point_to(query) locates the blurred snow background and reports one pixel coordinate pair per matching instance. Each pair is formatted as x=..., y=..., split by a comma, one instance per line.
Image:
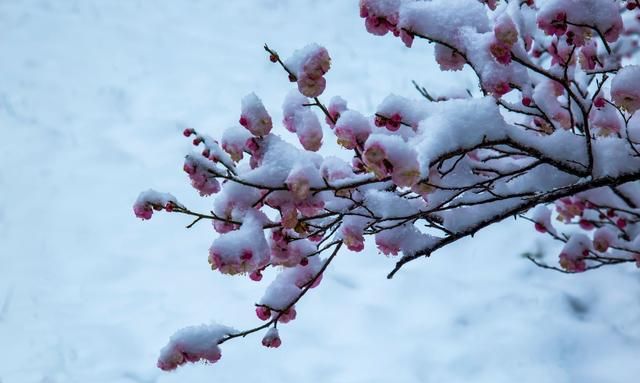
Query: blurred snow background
x=93, y=97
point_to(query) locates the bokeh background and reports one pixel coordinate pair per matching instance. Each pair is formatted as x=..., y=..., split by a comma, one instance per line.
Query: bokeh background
x=94, y=95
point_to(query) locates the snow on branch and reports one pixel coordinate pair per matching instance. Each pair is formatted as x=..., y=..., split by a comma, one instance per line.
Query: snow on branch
x=551, y=136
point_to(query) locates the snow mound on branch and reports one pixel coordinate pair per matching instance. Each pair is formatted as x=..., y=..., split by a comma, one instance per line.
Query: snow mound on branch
x=442, y=20
x=459, y=124
x=192, y=344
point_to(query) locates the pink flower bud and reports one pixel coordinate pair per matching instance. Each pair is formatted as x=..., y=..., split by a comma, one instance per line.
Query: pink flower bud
x=272, y=339
x=586, y=224
x=256, y=276
x=288, y=316
x=394, y=122
x=598, y=102
x=143, y=211
x=263, y=313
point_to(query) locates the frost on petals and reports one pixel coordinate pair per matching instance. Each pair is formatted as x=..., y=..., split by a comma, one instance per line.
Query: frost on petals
x=193, y=344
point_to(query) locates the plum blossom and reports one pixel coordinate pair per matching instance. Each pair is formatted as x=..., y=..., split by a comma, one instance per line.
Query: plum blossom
x=272, y=338
x=625, y=92
x=192, y=344
x=309, y=65
x=255, y=117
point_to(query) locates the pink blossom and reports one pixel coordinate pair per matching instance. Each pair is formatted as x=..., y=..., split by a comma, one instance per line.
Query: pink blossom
x=287, y=316
x=505, y=30
x=606, y=119
x=387, y=246
x=263, y=313
x=255, y=117
x=240, y=251
x=500, y=88
x=490, y=3
x=407, y=38
x=574, y=252
x=394, y=122
x=308, y=129
x=603, y=238
x=289, y=216
x=255, y=276
x=271, y=338
x=201, y=180
x=380, y=17
x=541, y=216
x=572, y=263
x=311, y=87
x=599, y=102
x=569, y=207
x=352, y=130
x=625, y=88
x=553, y=23
x=298, y=183
x=448, y=59
x=223, y=226
x=192, y=344
x=353, y=238
x=501, y=52
x=143, y=211
x=337, y=105
x=309, y=66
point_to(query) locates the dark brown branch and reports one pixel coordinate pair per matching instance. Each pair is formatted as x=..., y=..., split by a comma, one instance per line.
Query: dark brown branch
x=274, y=320
x=520, y=208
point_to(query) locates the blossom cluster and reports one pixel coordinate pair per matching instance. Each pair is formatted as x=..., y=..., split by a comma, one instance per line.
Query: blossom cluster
x=552, y=128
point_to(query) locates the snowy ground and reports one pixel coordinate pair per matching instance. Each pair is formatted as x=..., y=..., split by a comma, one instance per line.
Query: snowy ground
x=93, y=96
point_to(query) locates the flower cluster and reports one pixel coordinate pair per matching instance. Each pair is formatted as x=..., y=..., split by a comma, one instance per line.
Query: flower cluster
x=552, y=128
